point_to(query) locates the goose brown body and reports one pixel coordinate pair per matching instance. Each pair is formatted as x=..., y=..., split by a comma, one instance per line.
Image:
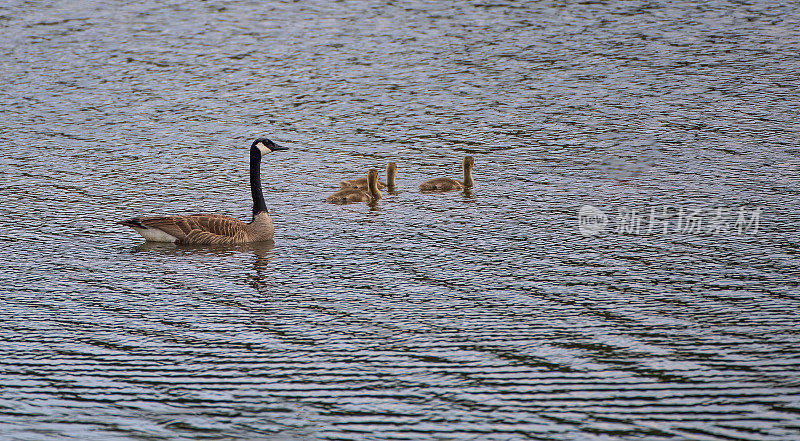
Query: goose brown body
x=441, y=184
x=361, y=183
x=447, y=184
x=204, y=229
x=352, y=195
x=358, y=184
x=215, y=229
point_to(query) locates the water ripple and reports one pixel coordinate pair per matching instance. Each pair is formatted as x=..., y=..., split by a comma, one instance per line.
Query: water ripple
x=482, y=315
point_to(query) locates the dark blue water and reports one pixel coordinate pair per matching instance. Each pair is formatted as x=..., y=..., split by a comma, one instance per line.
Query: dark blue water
x=493, y=314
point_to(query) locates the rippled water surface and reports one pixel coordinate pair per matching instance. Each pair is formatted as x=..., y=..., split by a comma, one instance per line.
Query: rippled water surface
x=478, y=315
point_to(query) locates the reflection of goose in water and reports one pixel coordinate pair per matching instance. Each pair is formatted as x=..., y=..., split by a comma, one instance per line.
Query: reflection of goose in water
x=351, y=195
x=447, y=184
x=263, y=252
x=361, y=183
x=215, y=229
x=170, y=249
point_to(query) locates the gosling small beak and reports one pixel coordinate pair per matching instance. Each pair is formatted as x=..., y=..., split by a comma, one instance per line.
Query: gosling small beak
x=277, y=147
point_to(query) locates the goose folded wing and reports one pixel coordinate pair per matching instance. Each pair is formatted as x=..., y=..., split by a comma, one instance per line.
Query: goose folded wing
x=176, y=226
x=217, y=224
x=205, y=227
x=207, y=238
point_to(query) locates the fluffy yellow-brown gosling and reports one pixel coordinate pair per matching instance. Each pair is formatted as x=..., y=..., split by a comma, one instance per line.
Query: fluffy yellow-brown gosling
x=361, y=183
x=447, y=184
x=216, y=229
x=351, y=195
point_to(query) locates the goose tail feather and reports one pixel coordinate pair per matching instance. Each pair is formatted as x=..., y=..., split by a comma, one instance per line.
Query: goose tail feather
x=133, y=223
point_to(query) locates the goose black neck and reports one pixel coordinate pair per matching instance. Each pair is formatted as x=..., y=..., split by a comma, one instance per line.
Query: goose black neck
x=259, y=205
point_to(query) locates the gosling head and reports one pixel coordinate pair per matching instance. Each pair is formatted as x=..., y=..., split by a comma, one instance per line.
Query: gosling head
x=391, y=173
x=372, y=176
x=372, y=185
x=265, y=146
x=469, y=162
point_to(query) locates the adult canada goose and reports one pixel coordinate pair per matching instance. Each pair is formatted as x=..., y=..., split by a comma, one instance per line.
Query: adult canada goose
x=361, y=183
x=215, y=229
x=350, y=195
x=447, y=184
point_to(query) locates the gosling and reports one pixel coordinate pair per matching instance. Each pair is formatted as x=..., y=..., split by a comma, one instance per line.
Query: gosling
x=361, y=183
x=447, y=184
x=352, y=195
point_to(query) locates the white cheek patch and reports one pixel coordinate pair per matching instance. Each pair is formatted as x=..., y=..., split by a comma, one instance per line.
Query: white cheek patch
x=264, y=149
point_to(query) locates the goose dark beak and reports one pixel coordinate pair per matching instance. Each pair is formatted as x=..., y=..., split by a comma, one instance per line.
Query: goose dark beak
x=277, y=147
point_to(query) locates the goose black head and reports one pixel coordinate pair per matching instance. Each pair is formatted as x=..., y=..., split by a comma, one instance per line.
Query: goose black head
x=265, y=146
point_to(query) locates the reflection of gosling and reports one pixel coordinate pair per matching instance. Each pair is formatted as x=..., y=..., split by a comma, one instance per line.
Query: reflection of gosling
x=351, y=195
x=361, y=183
x=447, y=184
